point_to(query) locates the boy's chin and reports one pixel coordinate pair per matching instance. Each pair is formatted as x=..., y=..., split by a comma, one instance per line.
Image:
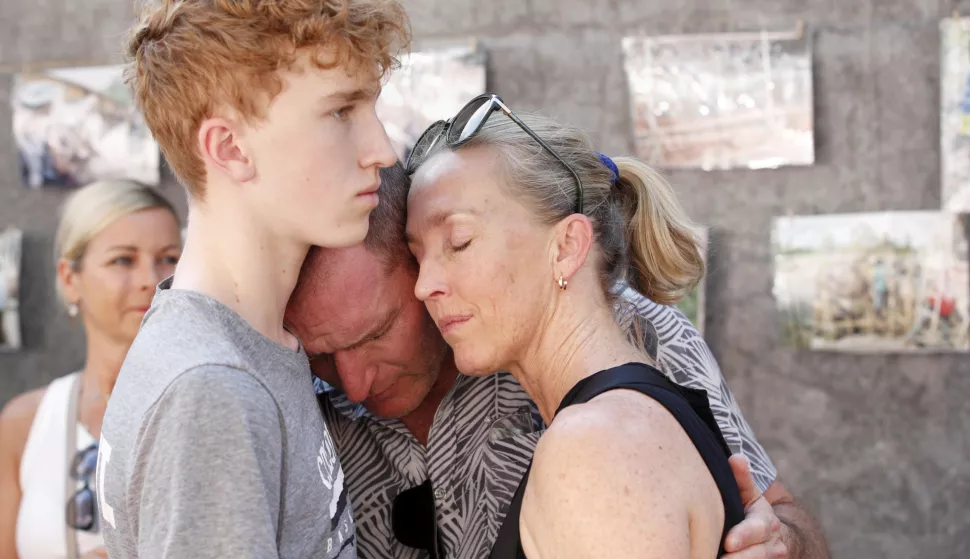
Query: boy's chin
x=344, y=237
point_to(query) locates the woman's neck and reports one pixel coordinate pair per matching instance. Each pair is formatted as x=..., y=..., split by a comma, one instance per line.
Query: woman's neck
x=571, y=346
x=102, y=365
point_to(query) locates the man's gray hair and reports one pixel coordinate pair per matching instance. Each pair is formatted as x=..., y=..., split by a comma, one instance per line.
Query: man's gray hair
x=385, y=237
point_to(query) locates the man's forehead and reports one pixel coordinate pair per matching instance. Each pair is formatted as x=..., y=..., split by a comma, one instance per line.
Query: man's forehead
x=352, y=293
x=343, y=318
x=347, y=328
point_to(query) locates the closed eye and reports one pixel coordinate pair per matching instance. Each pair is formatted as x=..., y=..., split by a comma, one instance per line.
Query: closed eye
x=369, y=339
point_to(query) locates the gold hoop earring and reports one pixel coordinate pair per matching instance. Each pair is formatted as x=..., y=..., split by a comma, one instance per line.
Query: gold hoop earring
x=563, y=282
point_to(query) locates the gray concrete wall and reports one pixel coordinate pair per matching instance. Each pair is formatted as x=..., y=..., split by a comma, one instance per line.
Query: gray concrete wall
x=876, y=446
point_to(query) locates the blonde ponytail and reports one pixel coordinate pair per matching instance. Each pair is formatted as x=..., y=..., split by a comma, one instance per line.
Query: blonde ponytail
x=665, y=257
x=642, y=233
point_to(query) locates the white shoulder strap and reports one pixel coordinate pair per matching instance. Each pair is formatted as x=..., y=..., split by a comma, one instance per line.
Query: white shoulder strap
x=69, y=485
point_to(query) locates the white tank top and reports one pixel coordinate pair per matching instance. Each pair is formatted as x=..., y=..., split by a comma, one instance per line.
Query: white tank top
x=41, y=532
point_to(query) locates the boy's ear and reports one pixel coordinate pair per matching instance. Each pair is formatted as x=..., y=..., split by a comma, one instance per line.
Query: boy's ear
x=222, y=148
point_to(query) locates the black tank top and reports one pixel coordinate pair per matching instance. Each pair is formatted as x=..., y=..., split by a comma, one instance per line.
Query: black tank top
x=691, y=409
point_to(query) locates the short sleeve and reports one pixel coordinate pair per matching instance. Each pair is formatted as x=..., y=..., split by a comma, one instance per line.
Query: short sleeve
x=206, y=475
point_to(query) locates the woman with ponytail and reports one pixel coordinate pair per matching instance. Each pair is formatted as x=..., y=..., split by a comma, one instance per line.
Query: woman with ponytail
x=524, y=234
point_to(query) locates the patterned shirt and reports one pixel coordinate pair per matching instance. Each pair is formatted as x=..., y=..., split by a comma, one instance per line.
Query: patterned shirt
x=483, y=437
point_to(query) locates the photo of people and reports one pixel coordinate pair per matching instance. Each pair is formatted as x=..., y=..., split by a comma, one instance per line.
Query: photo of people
x=955, y=113
x=878, y=282
x=11, y=241
x=431, y=85
x=73, y=126
x=721, y=101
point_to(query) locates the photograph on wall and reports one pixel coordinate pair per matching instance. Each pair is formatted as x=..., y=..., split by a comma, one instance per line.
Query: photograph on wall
x=721, y=101
x=11, y=243
x=955, y=114
x=693, y=304
x=430, y=85
x=888, y=282
x=74, y=126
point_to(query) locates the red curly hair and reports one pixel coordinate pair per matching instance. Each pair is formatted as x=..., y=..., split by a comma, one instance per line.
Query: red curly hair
x=186, y=58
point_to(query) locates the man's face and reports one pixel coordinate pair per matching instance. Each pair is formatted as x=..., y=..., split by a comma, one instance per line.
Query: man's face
x=365, y=331
x=316, y=155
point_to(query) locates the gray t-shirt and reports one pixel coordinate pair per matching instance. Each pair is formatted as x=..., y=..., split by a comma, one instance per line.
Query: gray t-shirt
x=213, y=444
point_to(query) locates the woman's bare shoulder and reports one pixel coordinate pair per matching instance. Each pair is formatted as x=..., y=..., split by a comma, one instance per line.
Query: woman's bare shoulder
x=619, y=462
x=16, y=418
x=618, y=439
x=618, y=422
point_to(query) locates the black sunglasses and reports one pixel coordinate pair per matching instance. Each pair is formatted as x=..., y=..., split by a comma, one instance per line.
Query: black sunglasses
x=468, y=122
x=82, y=508
x=413, y=519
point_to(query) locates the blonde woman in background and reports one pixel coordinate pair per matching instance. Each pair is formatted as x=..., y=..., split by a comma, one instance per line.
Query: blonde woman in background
x=115, y=242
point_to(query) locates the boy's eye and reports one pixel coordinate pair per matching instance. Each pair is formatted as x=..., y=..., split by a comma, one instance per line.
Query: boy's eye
x=343, y=112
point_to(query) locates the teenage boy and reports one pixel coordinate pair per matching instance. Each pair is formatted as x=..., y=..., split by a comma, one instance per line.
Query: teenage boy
x=213, y=444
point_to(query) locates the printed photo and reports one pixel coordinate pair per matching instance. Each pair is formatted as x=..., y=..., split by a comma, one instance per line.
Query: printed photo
x=955, y=114
x=431, y=85
x=74, y=126
x=11, y=242
x=880, y=282
x=721, y=101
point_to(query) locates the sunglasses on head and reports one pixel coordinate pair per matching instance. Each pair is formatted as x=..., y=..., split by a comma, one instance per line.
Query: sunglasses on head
x=413, y=519
x=82, y=507
x=468, y=122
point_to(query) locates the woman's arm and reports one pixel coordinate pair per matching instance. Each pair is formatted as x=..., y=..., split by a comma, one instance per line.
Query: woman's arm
x=618, y=477
x=15, y=421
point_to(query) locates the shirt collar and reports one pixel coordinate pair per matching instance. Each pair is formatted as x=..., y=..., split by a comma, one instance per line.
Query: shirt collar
x=355, y=412
x=339, y=401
